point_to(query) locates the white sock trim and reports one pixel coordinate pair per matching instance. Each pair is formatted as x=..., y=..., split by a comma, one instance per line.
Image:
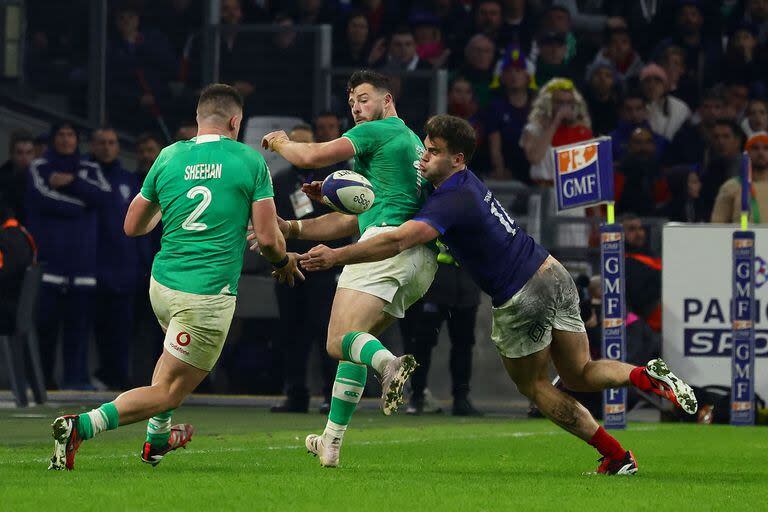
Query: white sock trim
x=334, y=430
x=98, y=421
x=380, y=359
x=357, y=346
x=347, y=392
x=157, y=425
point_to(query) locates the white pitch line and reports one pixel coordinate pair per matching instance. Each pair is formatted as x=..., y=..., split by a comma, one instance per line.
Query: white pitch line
x=385, y=442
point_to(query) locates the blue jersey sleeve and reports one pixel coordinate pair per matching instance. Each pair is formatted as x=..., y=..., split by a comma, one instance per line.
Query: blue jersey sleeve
x=442, y=210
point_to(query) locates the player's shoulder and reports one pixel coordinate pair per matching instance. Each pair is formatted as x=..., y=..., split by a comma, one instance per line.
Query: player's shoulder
x=172, y=150
x=243, y=151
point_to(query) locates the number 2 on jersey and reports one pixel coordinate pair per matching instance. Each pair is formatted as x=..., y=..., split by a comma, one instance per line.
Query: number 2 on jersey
x=191, y=224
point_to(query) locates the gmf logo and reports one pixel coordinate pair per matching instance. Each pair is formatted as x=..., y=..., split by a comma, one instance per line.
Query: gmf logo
x=576, y=158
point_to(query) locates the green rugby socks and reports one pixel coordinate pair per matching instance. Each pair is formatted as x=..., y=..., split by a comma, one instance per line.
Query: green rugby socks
x=159, y=429
x=361, y=347
x=347, y=391
x=98, y=420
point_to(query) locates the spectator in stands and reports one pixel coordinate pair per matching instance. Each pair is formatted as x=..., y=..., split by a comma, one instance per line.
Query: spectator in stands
x=478, y=66
x=517, y=28
x=178, y=20
x=13, y=173
x=64, y=195
x=632, y=115
x=17, y=252
x=736, y=99
x=618, y=51
x=602, y=96
x=648, y=22
x=186, y=130
x=118, y=265
x=489, y=20
x=722, y=160
x=686, y=204
x=557, y=19
x=461, y=98
x=148, y=147
x=592, y=18
x=354, y=50
x=756, y=118
x=327, y=127
x=430, y=46
x=643, y=269
x=559, y=116
x=744, y=58
x=552, y=61
x=381, y=15
x=402, y=55
x=691, y=141
x=757, y=13
x=727, y=207
x=681, y=85
x=286, y=59
x=505, y=119
x=314, y=12
x=454, y=23
x=640, y=185
x=306, y=308
x=140, y=63
x=453, y=298
x=238, y=52
x=702, y=55
x=666, y=113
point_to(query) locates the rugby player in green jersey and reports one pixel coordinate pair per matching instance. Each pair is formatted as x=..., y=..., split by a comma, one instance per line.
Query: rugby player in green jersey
x=206, y=190
x=369, y=296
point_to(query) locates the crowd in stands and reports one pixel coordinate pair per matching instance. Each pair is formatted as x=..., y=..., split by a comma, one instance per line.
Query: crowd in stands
x=680, y=86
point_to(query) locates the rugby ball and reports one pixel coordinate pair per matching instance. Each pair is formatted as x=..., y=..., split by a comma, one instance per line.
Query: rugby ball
x=347, y=192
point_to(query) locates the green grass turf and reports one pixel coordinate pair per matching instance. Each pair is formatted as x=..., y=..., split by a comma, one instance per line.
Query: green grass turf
x=249, y=459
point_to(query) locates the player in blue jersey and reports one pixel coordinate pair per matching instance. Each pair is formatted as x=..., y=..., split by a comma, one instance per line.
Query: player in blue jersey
x=535, y=303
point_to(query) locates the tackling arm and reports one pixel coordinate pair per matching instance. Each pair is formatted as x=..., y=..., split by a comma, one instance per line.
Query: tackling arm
x=377, y=248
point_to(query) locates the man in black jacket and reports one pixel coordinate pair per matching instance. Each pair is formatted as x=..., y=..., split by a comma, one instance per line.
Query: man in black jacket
x=306, y=308
x=17, y=252
x=13, y=173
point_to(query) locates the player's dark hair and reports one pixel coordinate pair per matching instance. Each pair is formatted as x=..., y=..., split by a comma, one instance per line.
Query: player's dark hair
x=365, y=76
x=220, y=100
x=457, y=133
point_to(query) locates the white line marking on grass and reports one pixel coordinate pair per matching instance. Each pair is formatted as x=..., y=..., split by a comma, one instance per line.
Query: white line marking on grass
x=385, y=442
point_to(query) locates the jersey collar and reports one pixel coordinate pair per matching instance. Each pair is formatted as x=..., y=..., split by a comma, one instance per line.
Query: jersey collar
x=208, y=137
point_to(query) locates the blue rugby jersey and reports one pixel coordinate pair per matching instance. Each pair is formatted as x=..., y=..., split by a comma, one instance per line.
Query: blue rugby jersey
x=499, y=255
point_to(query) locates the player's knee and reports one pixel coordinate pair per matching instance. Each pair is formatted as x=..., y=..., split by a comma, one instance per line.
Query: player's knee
x=575, y=381
x=333, y=346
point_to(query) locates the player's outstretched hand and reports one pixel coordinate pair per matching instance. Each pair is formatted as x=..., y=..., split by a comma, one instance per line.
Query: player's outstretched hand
x=318, y=258
x=272, y=140
x=290, y=273
x=314, y=190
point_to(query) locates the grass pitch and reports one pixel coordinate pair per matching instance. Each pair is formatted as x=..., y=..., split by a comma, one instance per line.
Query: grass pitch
x=249, y=459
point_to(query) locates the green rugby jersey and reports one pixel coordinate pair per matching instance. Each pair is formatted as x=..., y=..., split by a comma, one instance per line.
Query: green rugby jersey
x=205, y=187
x=387, y=152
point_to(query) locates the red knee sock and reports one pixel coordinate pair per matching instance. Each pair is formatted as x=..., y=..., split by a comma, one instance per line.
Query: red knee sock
x=607, y=445
x=640, y=379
